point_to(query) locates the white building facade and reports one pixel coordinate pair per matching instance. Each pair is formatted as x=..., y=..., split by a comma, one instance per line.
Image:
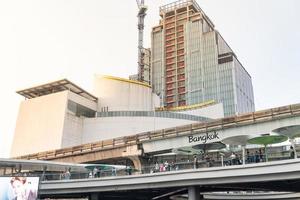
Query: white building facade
x=61, y=114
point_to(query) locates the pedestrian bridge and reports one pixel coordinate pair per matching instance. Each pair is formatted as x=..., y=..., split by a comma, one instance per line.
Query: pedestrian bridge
x=276, y=176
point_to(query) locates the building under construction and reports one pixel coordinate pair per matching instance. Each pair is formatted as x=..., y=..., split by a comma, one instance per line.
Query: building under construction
x=191, y=62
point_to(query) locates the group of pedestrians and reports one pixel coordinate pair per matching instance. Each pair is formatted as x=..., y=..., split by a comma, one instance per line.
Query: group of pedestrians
x=164, y=166
x=95, y=173
x=206, y=161
x=256, y=157
x=65, y=175
x=235, y=159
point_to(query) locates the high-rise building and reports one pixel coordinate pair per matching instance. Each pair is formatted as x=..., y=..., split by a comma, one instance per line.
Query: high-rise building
x=191, y=63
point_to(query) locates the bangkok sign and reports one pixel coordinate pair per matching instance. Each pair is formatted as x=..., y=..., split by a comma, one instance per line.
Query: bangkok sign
x=204, y=138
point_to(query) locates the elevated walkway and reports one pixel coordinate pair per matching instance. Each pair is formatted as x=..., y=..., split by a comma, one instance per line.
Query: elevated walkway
x=275, y=176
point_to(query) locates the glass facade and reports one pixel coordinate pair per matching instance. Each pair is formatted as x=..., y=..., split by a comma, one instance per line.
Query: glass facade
x=227, y=96
x=243, y=88
x=157, y=63
x=210, y=69
x=80, y=110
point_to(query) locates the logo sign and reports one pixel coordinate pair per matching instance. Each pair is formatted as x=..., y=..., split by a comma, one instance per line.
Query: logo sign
x=204, y=138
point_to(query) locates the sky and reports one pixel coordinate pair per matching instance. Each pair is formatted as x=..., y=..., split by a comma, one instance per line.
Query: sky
x=46, y=40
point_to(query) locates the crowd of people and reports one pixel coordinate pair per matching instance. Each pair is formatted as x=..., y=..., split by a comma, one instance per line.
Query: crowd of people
x=164, y=166
x=204, y=160
x=256, y=157
x=207, y=160
x=65, y=175
x=174, y=166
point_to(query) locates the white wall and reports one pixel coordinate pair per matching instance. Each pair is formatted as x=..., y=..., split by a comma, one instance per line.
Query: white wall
x=73, y=125
x=121, y=95
x=72, y=132
x=40, y=124
x=96, y=129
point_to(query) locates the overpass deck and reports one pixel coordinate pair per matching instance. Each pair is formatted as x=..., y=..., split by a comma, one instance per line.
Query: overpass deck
x=276, y=176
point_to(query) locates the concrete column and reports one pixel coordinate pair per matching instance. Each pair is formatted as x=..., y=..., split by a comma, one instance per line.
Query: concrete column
x=136, y=162
x=94, y=196
x=194, y=193
x=243, y=154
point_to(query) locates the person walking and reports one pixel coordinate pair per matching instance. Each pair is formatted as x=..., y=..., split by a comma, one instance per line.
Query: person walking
x=113, y=171
x=261, y=156
x=95, y=172
x=161, y=167
x=233, y=159
x=292, y=152
x=248, y=157
x=67, y=175
x=167, y=166
x=256, y=157
x=129, y=170
x=156, y=167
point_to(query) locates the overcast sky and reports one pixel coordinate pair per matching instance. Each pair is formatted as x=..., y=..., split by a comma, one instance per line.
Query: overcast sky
x=46, y=40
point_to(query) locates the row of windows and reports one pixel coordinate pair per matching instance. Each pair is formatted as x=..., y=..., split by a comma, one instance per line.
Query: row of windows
x=162, y=114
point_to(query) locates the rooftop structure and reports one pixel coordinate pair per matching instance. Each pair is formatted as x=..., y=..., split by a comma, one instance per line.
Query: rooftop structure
x=182, y=4
x=53, y=87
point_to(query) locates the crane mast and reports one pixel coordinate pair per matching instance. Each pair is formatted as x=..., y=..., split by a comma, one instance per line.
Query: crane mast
x=141, y=17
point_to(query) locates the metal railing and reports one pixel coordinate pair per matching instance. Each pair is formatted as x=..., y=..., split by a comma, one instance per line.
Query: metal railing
x=224, y=123
x=161, y=167
x=179, y=4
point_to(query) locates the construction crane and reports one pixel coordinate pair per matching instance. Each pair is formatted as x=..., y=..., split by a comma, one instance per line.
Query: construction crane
x=141, y=16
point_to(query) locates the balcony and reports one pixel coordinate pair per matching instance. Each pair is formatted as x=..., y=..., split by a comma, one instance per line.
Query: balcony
x=181, y=90
x=180, y=64
x=170, y=55
x=170, y=86
x=170, y=67
x=170, y=37
x=170, y=73
x=181, y=77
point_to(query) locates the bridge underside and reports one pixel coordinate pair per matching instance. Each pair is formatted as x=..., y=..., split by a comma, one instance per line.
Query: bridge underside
x=166, y=193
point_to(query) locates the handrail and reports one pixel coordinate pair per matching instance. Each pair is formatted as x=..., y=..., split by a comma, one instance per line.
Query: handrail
x=155, y=166
x=223, y=123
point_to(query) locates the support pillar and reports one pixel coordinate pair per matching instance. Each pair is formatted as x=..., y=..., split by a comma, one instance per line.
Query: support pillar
x=194, y=193
x=94, y=196
x=266, y=154
x=136, y=162
x=243, y=154
x=43, y=174
x=139, y=163
x=133, y=153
